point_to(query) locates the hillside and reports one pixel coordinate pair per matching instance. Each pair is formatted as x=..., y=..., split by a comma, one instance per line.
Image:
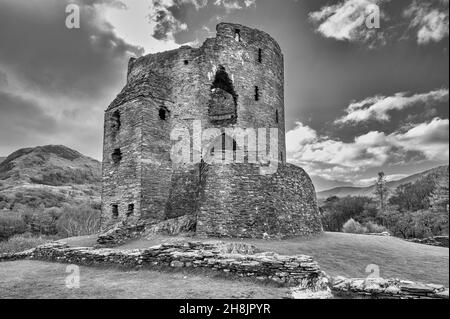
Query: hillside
x=368, y=191
x=48, y=176
x=2, y=159
x=49, y=165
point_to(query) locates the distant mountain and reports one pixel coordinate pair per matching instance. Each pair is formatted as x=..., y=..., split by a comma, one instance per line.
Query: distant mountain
x=368, y=191
x=48, y=176
x=50, y=165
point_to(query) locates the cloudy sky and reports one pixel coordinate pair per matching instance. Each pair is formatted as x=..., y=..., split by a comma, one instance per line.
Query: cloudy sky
x=358, y=99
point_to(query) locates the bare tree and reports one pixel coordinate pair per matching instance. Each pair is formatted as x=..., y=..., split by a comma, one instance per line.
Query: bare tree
x=381, y=192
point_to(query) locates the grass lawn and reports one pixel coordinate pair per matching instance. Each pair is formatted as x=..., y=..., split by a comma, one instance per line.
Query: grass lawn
x=35, y=279
x=345, y=254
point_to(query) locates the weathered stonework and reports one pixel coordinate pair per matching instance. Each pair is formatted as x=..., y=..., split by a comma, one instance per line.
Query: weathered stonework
x=233, y=259
x=233, y=81
x=379, y=288
x=238, y=260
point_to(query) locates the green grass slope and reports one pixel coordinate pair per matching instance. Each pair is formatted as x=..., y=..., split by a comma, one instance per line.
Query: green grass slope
x=40, y=280
x=341, y=254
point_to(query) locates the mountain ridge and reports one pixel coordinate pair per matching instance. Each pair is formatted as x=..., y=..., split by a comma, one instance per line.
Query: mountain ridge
x=53, y=165
x=369, y=190
x=48, y=176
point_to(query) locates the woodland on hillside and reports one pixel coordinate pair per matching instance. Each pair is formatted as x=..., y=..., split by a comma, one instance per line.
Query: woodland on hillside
x=412, y=210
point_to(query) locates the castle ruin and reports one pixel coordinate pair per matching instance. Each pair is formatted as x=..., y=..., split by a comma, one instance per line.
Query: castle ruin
x=233, y=81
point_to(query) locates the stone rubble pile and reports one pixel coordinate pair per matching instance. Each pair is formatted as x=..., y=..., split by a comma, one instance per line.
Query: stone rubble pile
x=287, y=271
x=384, y=288
x=172, y=227
x=121, y=233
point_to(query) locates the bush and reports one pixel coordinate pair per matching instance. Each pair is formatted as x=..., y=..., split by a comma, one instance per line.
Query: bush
x=19, y=243
x=10, y=225
x=353, y=227
x=78, y=221
x=374, y=228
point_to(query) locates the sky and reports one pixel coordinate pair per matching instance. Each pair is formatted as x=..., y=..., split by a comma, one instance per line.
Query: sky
x=366, y=81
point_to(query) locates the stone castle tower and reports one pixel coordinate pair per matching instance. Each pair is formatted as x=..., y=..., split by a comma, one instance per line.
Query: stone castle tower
x=233, y=81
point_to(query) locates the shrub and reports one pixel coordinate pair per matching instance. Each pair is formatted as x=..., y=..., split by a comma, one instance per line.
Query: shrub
x=10, y=225
x=78, y=221
x=19, y=243
x=375, y=228
x=353, y=227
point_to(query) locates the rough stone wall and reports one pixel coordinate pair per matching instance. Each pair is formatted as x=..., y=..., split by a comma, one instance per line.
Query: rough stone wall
x=379, y=288
x=237, y=201
x=236, y=260
x=121, y=181
x=243, y=69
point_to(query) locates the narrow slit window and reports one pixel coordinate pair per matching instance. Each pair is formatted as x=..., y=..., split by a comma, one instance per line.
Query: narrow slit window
x=117, y=156
x=163, y=114
x=115, y=121
x=115, y=211
x=257, y=94
x=130, y=211
x=277, y=117
x=237, y=35
x=260, y=55
x=281, y=157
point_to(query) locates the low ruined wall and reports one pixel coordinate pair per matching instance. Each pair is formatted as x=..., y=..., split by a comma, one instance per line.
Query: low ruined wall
x=239, y=202
x=289, y=271
x=240, y=260
x=438, y=241
x=386, y=289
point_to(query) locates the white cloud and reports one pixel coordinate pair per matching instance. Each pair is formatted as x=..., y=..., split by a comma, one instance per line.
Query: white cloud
x=390, y=178
x=378, y=107
x=346, y=20
x=430, y=21
x=235, y=4
x=338, y=160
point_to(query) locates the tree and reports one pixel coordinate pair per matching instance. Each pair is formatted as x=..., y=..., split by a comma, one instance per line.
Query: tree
x=381, y=191
x=439, y=199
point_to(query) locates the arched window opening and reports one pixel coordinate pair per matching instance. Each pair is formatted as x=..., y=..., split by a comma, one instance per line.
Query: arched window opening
x=223, y=81
x=186, y=62
x=277, y=118
x=116, y=156
x=222, y=145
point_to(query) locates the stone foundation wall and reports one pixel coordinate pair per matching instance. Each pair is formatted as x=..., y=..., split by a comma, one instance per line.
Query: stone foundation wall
x=240, y=260
x=289, y=271
x=386, y=289
x=238, y=202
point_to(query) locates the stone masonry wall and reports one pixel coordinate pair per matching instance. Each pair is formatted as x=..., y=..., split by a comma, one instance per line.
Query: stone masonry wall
x=237, y=201
x=240, y=260
x=176, y=89
x=379, y=288
x=290, y=271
